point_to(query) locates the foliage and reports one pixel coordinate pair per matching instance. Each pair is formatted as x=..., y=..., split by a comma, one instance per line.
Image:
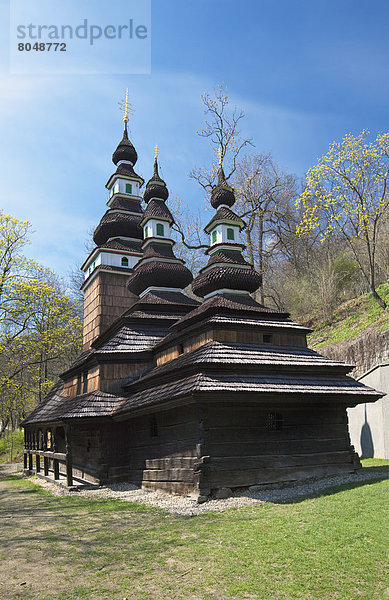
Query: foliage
x=40, y=326
x=347, y=193
x=11, y=446
x=310, y=253
x=329, y=546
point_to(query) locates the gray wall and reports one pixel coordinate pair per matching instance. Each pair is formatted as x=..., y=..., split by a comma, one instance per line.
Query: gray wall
x=369, y=423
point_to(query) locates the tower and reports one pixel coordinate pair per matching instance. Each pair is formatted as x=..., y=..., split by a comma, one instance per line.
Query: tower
x=118, y=239
x=159, y=270
x=226, y=272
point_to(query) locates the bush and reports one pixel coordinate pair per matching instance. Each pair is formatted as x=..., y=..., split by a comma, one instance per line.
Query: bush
x=11, y=446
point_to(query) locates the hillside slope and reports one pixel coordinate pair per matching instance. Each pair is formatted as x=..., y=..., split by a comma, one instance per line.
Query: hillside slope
x=358, y=333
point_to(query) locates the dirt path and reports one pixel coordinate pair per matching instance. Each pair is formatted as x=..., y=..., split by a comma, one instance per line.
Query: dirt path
x=66, y=548
x=23, y=516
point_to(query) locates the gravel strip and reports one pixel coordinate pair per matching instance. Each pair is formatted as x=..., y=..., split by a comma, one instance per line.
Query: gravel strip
x=10, y=468
x=189, y=507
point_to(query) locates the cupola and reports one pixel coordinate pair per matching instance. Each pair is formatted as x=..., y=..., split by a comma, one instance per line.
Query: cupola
x=226, y=271
x=158, y=269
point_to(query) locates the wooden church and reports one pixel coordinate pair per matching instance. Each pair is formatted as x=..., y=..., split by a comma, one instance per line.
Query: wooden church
x=183, y=395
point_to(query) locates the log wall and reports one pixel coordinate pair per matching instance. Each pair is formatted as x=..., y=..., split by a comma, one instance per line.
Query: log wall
x=156, y=451
x=88, y=459
x=243, y=450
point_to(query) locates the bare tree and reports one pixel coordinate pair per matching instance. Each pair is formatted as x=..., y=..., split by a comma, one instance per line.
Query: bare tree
x=221, y=128
x=263, y=192
x=190, y=237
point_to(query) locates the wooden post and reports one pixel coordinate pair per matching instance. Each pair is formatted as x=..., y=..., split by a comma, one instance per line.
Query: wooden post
x=46, y=465
x=69, y=465
x=25, y=460
x=30, y=461
x=56, y=468
x=38, y=463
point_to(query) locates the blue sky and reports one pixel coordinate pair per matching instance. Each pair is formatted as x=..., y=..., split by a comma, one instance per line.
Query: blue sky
x=304, y=72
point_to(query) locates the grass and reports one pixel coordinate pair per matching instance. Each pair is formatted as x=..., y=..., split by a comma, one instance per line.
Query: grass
x=374, y=462
x=331, y=546
x=351, y=319
x=11, y=445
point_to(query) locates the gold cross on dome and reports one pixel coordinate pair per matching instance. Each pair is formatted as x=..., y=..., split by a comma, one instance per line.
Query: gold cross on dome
x=219, y=155
x=126, y=107
x=156, y=151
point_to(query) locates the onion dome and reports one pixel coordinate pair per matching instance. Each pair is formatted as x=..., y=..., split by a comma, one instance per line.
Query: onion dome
x=158, y=210
x=227, y=271
x=125, y=150
x=159, y=274
x=116, y=223
x=225, y=278
x=156, y=187
x=222, y=193
x=118, y=236
x=158, y=268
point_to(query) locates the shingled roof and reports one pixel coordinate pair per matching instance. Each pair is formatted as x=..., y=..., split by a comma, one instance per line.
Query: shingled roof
x=57, y=407
x=123, y=244
x=241, y=305
x=116, y=224
x=121, y=203
x=259, y=387
x=133, y=339
x=248, y=356
x=245, y=368
x=222, y=215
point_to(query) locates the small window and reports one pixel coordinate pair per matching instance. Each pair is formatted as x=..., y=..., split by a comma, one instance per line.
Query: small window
x=230, y=234
x=85, y=382
x=214, y=236
x=78, y=385
x=153, y=427
x=180, y=349
x=146, y=232
x=267, y=338
x=274, y=421
x=128, y=188
x=124, y=261
x=160, y=229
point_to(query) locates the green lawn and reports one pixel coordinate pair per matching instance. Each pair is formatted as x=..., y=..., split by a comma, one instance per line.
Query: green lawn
x=332, y=546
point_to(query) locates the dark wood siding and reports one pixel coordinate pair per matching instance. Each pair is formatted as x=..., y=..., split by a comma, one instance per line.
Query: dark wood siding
x=157, y=450
x=243, y=451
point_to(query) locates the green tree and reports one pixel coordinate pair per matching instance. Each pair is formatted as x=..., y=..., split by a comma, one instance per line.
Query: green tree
x=347, y=194
x=40, y=326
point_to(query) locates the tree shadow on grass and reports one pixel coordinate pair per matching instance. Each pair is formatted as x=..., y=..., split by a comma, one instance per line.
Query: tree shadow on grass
x=296, y=498
x=377, y=469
